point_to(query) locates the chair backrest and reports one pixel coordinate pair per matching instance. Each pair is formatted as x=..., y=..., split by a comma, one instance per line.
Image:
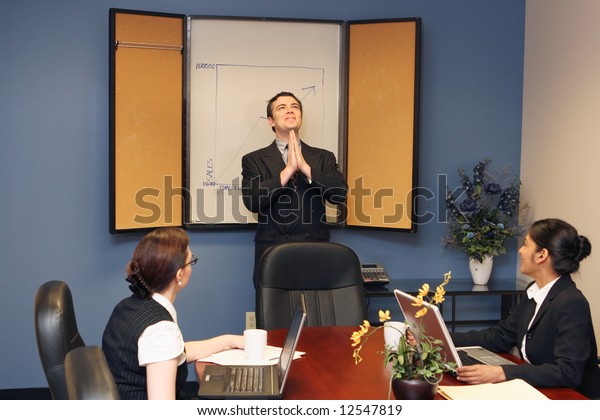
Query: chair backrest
x=56, y=333
x=326, y=273
x=88, y=375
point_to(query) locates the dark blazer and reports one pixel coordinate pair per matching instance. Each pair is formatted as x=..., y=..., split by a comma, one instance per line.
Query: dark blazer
x=295, y=212
x=561, y=344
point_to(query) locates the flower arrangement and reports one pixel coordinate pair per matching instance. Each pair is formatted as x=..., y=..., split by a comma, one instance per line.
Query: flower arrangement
x=483, y=219
x=416, y=355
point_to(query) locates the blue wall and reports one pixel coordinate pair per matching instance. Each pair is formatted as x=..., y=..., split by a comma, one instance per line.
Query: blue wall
x=54, y=157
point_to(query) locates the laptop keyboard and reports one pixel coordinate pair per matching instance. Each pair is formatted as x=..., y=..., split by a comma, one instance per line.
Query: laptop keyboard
x=466, y=359
x=245, y=379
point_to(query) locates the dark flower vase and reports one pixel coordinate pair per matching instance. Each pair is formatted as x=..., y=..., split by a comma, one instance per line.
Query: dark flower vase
x=413, y=389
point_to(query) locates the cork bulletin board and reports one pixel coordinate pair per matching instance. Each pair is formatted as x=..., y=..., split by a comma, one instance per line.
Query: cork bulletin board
x=382, y=137
x=146, y=147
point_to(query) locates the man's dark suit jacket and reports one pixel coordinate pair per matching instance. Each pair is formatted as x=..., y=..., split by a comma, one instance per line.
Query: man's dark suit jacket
x=561, y=345
x=295, y=212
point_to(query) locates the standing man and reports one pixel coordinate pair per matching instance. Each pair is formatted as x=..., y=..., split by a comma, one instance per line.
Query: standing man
x=287, y=182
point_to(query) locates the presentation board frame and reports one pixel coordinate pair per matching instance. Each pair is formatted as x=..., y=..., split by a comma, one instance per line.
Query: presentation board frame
x=167, y=194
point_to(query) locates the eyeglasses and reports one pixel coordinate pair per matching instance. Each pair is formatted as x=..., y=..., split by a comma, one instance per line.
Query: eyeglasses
x=193, y=261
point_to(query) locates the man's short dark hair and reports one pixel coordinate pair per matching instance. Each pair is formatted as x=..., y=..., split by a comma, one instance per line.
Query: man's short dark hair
x=279, y=95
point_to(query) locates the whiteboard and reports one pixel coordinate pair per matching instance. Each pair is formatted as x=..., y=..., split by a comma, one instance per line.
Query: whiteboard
x=234, y=67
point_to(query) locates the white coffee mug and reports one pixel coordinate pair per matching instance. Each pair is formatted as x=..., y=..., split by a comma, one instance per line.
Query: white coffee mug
x=255, y=344
x=392, y=331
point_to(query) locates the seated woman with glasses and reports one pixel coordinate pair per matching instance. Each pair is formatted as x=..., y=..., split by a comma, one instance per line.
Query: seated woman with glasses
x=142, y=342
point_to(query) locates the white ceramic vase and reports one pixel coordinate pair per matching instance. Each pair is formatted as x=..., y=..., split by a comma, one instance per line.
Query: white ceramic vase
x=481, y=271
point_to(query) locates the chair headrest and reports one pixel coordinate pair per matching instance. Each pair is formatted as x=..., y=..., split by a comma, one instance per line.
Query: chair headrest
x=56, y=332
x=309, y=265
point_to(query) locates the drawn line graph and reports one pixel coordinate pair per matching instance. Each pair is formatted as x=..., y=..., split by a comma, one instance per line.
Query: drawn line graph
x=241, y=125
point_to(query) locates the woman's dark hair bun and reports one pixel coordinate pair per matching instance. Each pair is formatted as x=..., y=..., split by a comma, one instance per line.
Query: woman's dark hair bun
x=137, y=285
x=584, y=248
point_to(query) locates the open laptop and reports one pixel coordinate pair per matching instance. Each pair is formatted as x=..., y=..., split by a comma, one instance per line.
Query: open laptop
x=434, y=326
x=255, y=382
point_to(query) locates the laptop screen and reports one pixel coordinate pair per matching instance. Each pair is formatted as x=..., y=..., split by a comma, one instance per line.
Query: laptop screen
x=289, y=347
x=432, y=323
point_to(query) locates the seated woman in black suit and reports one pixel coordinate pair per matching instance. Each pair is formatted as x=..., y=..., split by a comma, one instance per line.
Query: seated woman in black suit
x=552, y=329
x=142, y=342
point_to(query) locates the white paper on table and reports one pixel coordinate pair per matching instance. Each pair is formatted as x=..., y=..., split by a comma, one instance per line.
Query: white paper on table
x=515, y=389
x=238, y=358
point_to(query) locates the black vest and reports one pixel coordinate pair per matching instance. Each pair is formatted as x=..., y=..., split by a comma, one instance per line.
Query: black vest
x=120, y=345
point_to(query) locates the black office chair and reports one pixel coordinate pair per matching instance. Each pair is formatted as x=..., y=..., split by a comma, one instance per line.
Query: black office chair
x=56, y=333
x=326, y=273
x=88, y=376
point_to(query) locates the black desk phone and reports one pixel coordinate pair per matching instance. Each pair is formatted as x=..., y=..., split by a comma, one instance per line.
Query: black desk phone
x=374, y=274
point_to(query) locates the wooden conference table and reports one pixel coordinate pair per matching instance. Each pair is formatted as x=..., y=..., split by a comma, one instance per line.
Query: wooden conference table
x=327, y=370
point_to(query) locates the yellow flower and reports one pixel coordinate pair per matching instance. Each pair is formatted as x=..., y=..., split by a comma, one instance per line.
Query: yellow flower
x=421, y=312
x=384, y=316
x=447, y=278
x=418, y=301
x=439, y=295
x=356, y=338
x=439, y=291
x=424, y=291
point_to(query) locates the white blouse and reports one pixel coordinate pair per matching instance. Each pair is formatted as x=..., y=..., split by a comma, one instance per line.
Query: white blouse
x=163, y=340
